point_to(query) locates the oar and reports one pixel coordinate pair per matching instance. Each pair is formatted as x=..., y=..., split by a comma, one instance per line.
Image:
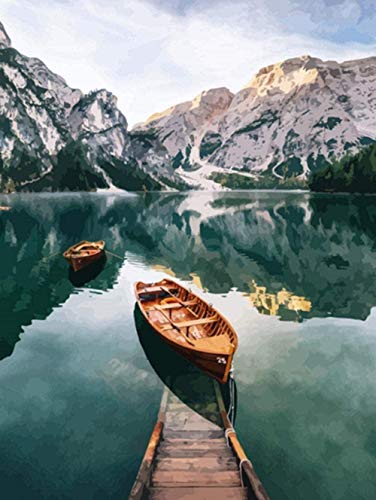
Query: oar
x=178, y=300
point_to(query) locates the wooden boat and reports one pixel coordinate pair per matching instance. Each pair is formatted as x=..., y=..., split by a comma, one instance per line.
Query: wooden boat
x=190, y=325
x=4, y=208
x=84, y=253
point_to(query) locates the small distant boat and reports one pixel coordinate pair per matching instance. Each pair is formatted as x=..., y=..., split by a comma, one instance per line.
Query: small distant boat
x=190, y=325
x=84, y=254
x=4, y=208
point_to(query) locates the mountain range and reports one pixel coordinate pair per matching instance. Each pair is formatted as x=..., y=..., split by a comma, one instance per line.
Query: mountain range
x=53, y=137
x=292, y=118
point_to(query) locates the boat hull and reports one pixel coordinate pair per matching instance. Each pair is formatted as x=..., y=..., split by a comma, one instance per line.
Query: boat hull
x=217, y=365
x=78, y=263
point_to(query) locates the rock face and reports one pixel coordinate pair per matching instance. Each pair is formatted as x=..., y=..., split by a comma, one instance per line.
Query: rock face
x=180, y=127
x=184, y=129
x=292, y=117
x=5, y=42
x=53, y=137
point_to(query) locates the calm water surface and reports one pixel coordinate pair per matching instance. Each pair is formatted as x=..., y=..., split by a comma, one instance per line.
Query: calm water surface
x=295, y=274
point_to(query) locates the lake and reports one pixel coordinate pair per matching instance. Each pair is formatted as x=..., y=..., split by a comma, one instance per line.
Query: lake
x=296, y=275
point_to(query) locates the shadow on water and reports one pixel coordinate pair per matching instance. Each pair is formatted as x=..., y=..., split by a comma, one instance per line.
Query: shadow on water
x=186, y=381
x=87, y=274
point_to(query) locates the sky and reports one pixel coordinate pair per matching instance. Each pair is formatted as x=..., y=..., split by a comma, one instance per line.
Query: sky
x=156, y=53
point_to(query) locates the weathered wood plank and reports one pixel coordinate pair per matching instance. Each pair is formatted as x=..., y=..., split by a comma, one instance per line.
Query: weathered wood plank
x=195, y=443
x=201, y=493
x=193, y=446
x=186, y=425
x=193, y=416
x=187, y=493
x=190, y=426
x=193, y=434
x=172, y=452
x=204, y=464
x=195, y=478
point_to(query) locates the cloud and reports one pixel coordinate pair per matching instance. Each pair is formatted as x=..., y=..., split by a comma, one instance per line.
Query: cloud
x=153, y=55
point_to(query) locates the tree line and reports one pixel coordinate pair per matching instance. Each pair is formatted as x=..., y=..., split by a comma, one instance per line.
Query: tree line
x=353, y=174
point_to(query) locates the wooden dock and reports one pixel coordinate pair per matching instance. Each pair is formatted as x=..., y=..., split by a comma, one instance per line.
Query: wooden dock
x=192, y=458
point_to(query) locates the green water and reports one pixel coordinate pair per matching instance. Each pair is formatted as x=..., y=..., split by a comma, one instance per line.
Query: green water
x=295, y=274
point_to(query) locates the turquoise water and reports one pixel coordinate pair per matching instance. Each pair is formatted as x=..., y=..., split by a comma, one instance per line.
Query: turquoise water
x=295, y=274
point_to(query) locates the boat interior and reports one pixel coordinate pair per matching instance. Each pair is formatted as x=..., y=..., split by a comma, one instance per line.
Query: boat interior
x=183, y=317
x=85, y=248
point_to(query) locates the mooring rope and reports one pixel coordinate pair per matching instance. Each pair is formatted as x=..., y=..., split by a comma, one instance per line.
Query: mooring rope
x=114, y=255
x=57, y=253
x=231, y=408
x=227, y=432
x=242, y=462
x=232, y=398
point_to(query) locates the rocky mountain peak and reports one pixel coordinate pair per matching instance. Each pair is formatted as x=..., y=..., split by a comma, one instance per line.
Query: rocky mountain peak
x=217, y=98
x=5, y=41
x=208, y=103
x=290, y=65
x=96, y=113
x=284, y=76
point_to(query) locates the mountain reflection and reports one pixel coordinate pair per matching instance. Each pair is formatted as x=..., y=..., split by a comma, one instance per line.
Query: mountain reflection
x=283, y=303
x=295, y=255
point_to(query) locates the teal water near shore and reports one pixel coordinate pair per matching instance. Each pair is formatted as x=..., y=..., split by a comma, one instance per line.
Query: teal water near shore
x=294, y=272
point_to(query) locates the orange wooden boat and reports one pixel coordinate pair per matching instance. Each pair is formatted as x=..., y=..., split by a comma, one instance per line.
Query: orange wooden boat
x=84, y=253
x=191, y=326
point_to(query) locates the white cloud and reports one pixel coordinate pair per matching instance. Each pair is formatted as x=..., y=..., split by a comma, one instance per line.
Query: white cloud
x=152, y=58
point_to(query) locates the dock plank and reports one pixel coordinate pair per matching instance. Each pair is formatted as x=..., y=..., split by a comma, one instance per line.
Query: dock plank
x=193, y=460
x=196, y=463
x=173, y=452
x=203, y=493
x=194, y=443
x=195, y=478
x=193, y=434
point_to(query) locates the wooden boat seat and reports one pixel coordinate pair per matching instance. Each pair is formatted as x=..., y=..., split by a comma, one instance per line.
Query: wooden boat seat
x=176, y=305
x=195, y=322
x=220, y=342
x=84, y=249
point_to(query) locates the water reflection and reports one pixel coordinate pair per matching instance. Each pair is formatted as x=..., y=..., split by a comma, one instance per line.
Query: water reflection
x=296, y=256
x=283, y=303
x=34, y=277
